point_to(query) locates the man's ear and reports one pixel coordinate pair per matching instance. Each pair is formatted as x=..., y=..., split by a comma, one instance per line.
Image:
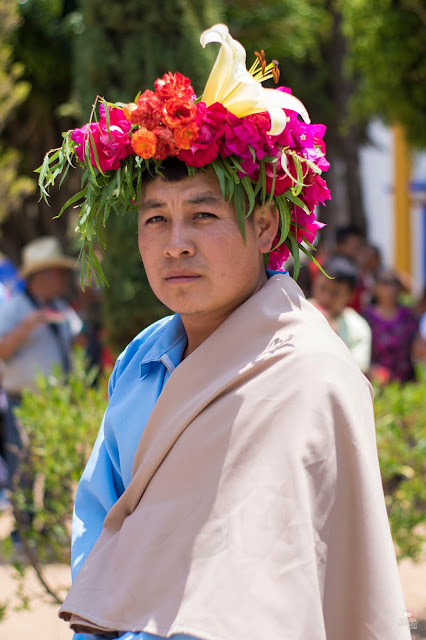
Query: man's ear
x=266, y=221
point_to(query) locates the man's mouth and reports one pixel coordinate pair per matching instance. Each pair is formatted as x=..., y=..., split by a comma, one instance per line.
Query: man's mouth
x=182, y=277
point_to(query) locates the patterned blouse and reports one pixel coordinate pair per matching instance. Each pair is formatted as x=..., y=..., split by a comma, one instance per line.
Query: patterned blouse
x=392, y=340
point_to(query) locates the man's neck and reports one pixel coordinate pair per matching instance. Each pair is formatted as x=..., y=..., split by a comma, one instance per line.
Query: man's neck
x=199, y=327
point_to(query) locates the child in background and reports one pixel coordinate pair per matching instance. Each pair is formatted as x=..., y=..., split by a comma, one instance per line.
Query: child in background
x=331, y=296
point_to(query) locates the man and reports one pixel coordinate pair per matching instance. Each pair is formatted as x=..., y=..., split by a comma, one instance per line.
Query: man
x=291, y=523
x=234, y=491
x=36, y=329
x=331, y=296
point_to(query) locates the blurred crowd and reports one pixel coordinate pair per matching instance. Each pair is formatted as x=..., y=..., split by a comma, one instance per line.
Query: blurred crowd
x=43, y=312
x=370, y=306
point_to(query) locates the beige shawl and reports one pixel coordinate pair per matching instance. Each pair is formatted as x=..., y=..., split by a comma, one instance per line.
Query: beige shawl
x=255, y=510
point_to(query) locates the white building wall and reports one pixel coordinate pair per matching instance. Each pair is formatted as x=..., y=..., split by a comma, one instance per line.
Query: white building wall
x=377, y=183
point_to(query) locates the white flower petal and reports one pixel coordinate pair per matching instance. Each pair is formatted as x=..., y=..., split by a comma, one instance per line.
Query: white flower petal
x=276, y=98
x=232, y=85
x=278, y=120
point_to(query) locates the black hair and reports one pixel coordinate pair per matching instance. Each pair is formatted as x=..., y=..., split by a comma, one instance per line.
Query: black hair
x=343, y=233
x=172, y=170
x=342, y=271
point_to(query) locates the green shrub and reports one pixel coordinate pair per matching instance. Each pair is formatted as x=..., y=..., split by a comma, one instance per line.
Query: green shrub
x=61, y=420
x=401, y=441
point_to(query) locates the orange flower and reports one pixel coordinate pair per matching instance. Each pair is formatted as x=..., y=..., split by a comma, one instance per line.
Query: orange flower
x=128, y=110
x=186, y=135
x=178, y=111
x=144, y=143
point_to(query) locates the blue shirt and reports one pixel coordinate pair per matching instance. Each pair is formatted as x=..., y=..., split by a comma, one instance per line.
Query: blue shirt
x=135, y=385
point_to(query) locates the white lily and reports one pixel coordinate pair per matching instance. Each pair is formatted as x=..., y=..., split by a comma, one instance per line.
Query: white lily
x=233, y=86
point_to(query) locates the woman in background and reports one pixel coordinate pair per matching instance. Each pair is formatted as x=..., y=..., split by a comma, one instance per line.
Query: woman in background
x=394, y=328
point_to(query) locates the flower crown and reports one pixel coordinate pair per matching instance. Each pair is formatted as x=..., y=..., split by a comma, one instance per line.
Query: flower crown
x=251, y=136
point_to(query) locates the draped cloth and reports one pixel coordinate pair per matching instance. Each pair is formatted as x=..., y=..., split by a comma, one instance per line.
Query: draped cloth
x=255, y=509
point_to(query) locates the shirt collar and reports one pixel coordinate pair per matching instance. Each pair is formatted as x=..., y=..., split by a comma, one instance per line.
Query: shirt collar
x=172, y=342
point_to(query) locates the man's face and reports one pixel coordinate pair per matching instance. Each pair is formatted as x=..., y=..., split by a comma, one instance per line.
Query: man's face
x=351, y=246
x=192, y=249
x=330, y=295
x=50, y=283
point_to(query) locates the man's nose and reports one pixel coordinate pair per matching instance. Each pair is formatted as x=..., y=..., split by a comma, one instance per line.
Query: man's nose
x=179, y=242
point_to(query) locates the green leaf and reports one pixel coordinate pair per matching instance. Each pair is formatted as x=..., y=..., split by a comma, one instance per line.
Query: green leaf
x=295, y=200
x=95, y=152
x=220, y=176
x=294, y=248
x=299, y=177
x=239, y=209
x=77, y=196
x=314, y=260
x=248, y=187
x=106, y=107
x=285, y=218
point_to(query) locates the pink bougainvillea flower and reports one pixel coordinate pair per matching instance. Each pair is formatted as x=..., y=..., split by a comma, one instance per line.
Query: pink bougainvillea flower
x=112, y=145
x=238, y=135
x=278, y=257
x=305, y=226
x=316, y=192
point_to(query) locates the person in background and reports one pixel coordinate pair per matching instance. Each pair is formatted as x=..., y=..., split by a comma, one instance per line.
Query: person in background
x=369, y=263
x=36, y=330
x=349, y=244
x=394, y=328
x=331, y=296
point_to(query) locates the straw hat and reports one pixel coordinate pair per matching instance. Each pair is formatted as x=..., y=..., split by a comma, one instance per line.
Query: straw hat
x=44, y=253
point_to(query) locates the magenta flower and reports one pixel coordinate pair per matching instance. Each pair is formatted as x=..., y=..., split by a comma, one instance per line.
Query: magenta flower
x=211, y=123
x=278, y=257
x=305, y=226
x=111, y=146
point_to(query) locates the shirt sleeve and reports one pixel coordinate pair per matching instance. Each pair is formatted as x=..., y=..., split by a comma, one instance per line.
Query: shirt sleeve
x=12, y=314
x=99, y=488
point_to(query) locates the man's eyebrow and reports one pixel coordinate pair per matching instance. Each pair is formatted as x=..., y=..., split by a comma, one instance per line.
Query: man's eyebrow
x=204, y=198
x=151, y=204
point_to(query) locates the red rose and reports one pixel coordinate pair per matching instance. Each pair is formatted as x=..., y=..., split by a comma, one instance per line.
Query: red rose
x=171, y=85
x=178, y=111
x=211, y=125
x=144, y=143
x=146, y=111
x=166, y=146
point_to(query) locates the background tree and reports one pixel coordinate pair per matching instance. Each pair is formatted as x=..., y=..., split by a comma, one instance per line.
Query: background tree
x=41, y=37
x=307, y=38
x=13, y=91
x=387, y=55
x=122, y=49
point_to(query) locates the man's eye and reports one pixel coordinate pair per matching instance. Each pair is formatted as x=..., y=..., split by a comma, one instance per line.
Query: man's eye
x=205, y=214
x=154, y=219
